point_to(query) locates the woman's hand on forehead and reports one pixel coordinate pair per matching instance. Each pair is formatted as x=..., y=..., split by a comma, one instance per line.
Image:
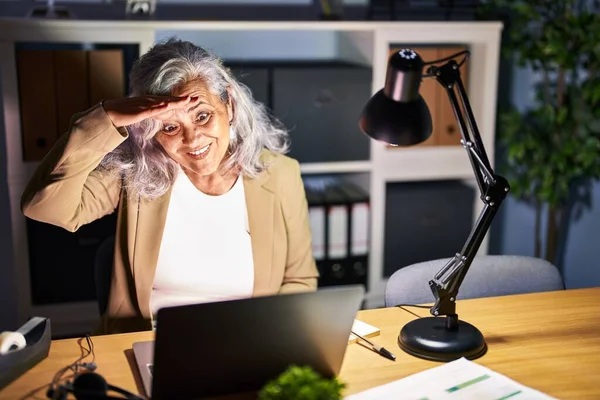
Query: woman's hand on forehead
x=131, y=110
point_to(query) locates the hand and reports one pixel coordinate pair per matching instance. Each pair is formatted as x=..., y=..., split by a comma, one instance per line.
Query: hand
x=130, y=110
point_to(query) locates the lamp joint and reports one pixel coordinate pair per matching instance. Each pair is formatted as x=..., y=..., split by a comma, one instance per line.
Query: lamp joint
x=496, y=192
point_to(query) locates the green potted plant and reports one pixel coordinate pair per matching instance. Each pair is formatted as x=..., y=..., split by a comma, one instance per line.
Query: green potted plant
x=301, y=383
x=553, y=146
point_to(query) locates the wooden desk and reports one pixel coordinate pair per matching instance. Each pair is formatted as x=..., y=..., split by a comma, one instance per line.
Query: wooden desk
x=548, y=341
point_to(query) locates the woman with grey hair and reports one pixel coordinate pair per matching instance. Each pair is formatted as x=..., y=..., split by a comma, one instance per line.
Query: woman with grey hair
x=209, y=207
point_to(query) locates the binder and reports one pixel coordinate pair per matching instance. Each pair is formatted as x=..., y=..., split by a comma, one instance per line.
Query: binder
x=55, y=84
x=359, y=232
x=336, y=224
x=106, y=75
x=35, y=77
x=339, y=218
x=72, y=92
x=328, y=221
x=316, y=216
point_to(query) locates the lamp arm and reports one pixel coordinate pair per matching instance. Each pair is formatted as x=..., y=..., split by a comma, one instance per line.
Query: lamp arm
x=493, y=190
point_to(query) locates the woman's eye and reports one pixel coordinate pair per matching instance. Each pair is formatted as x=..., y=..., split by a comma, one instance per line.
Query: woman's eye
x=202, y=117
x=169, y=129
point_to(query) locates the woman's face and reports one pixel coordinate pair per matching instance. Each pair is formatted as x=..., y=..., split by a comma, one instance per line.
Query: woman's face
x=197, y=138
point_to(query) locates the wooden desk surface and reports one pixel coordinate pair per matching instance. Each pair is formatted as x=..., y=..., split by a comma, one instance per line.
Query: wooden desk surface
x=548, y=341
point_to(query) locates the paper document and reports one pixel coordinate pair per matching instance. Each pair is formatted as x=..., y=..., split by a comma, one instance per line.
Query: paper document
x=461, y=379
x=363, y=329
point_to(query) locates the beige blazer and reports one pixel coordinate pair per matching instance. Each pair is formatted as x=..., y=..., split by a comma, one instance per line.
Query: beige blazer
x=67, y=190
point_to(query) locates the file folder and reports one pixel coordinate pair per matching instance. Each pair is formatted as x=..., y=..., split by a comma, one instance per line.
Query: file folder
x=316, y=216
x=358, y=200
x=359, y=232
x=339, y=220
x=336, y=224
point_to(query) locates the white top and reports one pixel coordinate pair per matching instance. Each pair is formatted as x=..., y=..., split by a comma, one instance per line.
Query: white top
x=206, y=253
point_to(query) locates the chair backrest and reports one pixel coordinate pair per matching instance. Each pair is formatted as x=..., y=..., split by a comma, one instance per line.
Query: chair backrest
x=488, y=276
x=103, y=268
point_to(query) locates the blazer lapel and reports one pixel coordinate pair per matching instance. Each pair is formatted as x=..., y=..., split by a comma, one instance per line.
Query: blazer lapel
x=259, y=203
x=150, y=227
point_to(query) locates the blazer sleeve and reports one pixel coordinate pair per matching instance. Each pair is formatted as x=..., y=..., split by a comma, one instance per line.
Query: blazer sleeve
x=66, y=189
x=301, y=271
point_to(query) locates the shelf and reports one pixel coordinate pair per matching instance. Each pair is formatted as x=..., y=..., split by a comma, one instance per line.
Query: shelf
x=335, y=167
x=425, y=163
x=466, y=26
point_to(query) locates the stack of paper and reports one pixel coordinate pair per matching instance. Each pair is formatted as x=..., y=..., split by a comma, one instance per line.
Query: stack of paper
x=363, y=329
x=460, y=379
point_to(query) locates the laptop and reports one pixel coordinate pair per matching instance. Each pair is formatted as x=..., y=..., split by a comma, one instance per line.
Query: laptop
x=230, y=347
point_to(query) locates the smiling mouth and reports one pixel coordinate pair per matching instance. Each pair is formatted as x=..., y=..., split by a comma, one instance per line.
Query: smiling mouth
x=200, y=153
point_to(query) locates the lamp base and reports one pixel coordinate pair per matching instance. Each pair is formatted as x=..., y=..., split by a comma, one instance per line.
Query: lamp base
x=429, y=338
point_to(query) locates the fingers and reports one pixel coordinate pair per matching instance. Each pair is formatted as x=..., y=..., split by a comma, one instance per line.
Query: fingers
x=161, y=115
x=162, y=99
x=159, y=111
x=182, y=102
x=175, y=103
x=175, y=100
x=166, y=109
x=159, y=107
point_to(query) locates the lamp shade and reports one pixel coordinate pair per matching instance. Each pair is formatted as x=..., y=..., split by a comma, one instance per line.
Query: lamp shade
x=398, y=114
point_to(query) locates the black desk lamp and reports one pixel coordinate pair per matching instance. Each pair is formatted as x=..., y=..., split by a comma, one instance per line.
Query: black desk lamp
x=399, y=116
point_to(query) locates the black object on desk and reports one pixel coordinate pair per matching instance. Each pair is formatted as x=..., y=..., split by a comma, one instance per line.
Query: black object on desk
x=398, y=115
x=16, y=362
x=225, y=339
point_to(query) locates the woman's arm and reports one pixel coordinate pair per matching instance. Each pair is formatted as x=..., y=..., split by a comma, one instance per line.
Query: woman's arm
x=301, y=271
x=66, y=189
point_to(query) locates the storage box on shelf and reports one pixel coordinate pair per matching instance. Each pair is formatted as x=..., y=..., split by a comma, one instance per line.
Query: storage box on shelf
x=318, y=101
x=322, y=143
x=425, y=220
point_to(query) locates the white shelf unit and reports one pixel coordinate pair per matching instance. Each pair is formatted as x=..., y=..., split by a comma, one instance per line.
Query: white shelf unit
x=366, y=43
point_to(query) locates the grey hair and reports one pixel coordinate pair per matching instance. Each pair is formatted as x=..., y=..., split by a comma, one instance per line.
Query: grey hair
x=146, y=169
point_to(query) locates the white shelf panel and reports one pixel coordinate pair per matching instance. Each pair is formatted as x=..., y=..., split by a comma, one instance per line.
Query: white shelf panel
x=435, y=32
x=240, y=45
x=431, y=163
x=335, y=167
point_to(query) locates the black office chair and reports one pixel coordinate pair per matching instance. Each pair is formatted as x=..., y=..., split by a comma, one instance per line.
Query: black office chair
x=103, y=268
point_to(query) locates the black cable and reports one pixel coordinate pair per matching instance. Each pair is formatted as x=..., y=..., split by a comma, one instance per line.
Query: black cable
x=74, y=366
x=412, y=305
x=402, y=306
x=466, y=54
x=90, y=344
x=453, y=56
